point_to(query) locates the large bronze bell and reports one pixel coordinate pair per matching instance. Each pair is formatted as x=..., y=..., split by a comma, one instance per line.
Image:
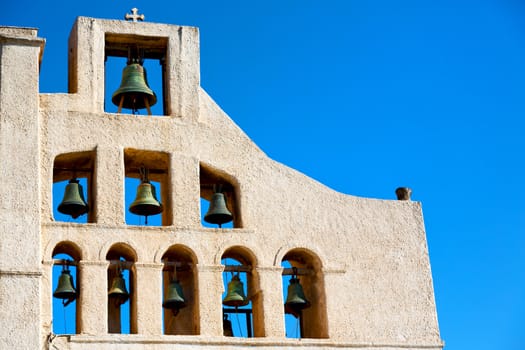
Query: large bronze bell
x=65, y=289
x=134, y=92
x=296, y=300
x=218, y=212
x=227, y=329
x=73, y=203
x=235, y=296
x=174, y=298
x=146, y=202
x=118, y=291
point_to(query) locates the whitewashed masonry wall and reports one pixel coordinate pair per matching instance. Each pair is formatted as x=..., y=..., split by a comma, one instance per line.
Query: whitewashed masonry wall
x=372, y=253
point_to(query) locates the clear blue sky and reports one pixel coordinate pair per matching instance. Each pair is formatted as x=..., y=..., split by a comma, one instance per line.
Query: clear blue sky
x=366, y=96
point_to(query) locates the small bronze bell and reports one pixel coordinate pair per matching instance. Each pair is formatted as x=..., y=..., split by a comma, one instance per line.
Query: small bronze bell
x=235, y=296
x=134, y=92
x=174, y=298
x=218, y=212
x=65, y=289
x=146, y=203
x=73, y=203
x=118, y=292
x=295, y=301
x=227, y=329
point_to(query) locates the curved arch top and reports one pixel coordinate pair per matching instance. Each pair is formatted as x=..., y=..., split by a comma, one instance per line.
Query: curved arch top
x=175, y=248
x=67, y=247
x=238, y=252
x=289, y=251
x=125, y=247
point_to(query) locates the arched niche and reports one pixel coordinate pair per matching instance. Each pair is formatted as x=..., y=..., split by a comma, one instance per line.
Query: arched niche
x=66, y=312
x=180, y=267
x=310, y=322
x=246, y=320
x=122, y=314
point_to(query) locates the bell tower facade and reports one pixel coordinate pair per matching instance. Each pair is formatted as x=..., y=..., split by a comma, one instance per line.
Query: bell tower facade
x=355, y=271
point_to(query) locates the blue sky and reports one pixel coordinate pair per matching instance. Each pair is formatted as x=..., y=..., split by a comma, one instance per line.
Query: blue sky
x=367, y=96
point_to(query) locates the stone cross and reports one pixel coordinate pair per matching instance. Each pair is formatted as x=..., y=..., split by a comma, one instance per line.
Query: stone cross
x=134, y=15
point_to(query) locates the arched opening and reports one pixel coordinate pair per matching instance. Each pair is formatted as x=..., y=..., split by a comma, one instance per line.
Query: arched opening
x=122, y=303
x=219, y=199
x=66, y=291
x=304, y=295
x=180, y=292
x=242, y=301
x=73, y=195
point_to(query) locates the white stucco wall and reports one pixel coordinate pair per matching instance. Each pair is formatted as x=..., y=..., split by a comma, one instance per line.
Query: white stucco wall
x=374, y=256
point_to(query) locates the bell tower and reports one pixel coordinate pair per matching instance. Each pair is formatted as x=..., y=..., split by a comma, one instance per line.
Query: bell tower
x=226, y=248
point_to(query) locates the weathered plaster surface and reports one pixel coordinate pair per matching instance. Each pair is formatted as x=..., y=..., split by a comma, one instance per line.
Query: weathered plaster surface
x=374, y=254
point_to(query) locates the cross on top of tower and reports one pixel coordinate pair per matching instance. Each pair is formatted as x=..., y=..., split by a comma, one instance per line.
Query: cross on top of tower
x=134, y=15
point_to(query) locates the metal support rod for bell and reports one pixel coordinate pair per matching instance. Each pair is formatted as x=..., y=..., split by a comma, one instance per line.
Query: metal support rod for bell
x=301, y=324
x=74, y=171
x=144, y=174
x=122, y=264
x=64, y=262
x=146, y=102
x=298, y=271
x=180, y=266
x=121, y=102
x=238, y=268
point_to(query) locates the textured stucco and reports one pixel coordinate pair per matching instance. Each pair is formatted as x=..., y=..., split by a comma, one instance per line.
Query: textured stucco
x=373, y=256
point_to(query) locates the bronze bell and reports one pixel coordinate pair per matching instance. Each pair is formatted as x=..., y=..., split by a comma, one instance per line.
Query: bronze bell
x=118, y=292
x=295, y=301
x=227, y=329
x=218, y=212
x=146, y=202
x=235, y=296
x=174, y=298
x=73, y=203
x=134, y=92
x=65, y=289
